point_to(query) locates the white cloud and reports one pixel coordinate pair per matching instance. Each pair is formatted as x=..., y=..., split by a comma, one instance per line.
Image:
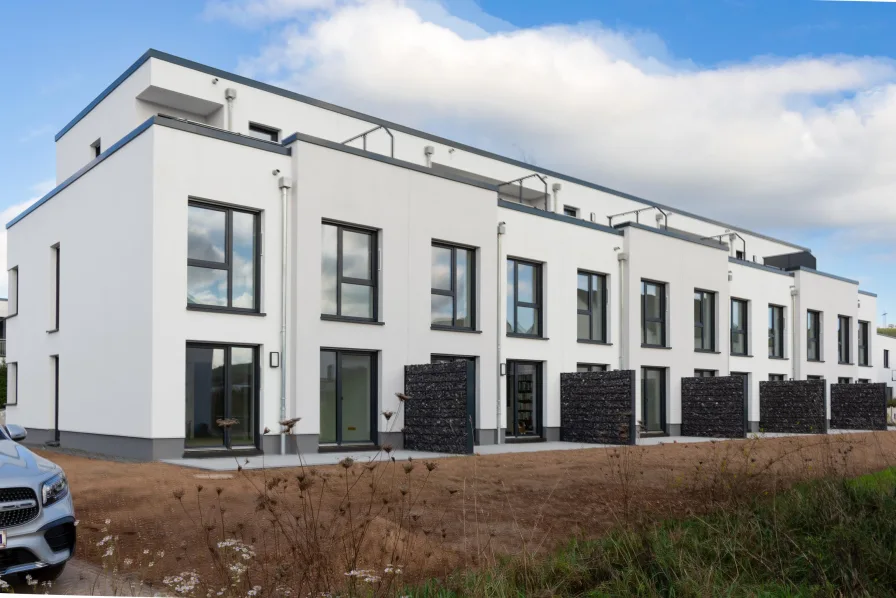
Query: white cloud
x=38, y=191
x=770, y=143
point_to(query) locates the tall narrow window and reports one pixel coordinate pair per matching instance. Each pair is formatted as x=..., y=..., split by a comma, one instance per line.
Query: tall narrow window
x=524, y=313
x=704, y=321
x=453, y=284
x=886, y=358
x=592, y=307
x=13, y=291
x=775, y=331
x=813, y=336
x=349, y=272
x=96, y=148
x=863, y=343
x=653, y=314
x=739, y=327
x=222, y=258
x=55, y=260
x=843, y=333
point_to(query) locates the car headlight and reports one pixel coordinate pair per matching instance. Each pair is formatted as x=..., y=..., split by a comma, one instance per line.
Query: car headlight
x=54, y=489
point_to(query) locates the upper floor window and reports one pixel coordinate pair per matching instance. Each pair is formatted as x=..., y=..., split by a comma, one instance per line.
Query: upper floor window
x=775, y=331
x=886, y=358
x=222, y=257
x=55, y=255
x=571, y=211
x=653, y=313
x=524, y=311
x=96, y=148
x=263, y=132
x=591, y=303
x=843, y=339
x=813, y=335
x=704, y=321
x=452, y=286
x=348, y=272
x=863, y=343
x=739, y=327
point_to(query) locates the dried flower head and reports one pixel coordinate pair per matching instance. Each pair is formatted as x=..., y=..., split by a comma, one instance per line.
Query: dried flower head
x=227, y=422
x=267, y=430
x=408, y=467
x=430, y=465
x=388, y=414
x=178, y=493
x=387, y=447
x=347, y=462
x=289, y=424
x=402, y=397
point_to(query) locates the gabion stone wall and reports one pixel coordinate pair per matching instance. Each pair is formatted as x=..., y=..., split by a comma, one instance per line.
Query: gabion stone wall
x=793, y=406
x=598, y=407
x=438, y=416
x=859, y=406
x=713, y=407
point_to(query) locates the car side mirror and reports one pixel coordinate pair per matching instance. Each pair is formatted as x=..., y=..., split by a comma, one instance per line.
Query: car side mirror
x=17, y=433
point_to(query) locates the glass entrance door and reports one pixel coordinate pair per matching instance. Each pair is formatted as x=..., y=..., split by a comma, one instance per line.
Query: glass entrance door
x=347, y=397
x=653, y=400
x=221, y=396
x=523, y=398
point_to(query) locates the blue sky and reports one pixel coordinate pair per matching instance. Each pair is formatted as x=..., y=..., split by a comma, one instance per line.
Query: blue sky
x=83, y=46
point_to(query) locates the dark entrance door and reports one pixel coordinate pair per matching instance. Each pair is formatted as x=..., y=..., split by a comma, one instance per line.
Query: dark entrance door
x=347, y=397
x=221, y=396
x=653, y=400
x=523, y=399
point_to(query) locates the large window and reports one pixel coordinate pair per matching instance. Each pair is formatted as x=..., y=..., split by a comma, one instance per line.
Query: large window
x=592, y=307
x=843, y=339
x=776, y=331
x=221, y=396
x=222, y=258
x=704, y=321
x=739, y=327
x=524, y=311
x=653, y=314
x=863, y=343
x=453, y=284
x=813, y=335
x=348, y=272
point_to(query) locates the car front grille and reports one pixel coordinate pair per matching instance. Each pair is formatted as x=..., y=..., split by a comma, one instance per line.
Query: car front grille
x=13, y=557
x=12, y=517
x=61, y=537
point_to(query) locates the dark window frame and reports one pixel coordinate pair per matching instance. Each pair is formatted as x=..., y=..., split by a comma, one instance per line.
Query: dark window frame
x=272, y=133
x=844, y=380
x=776, y=331
x=227, y=265
x=592, y=367
x=702, y=373
x=704, y=295
x=537, y=291
x=57, y=255
x=661, y=294
x=813, y=316
x=812, y=377
x=374, y=394
x=864, y=331
x=256, y=399
x=16, y=270
x=602, y=282
x=886, y=358
x=571, y=211
x=56, y=434
x=512, y=389
x=471, y=275
x=97, y=147
x=844, y=344
x=744, y=329
x=664, y=379
x=777, y=377
x=373, y=282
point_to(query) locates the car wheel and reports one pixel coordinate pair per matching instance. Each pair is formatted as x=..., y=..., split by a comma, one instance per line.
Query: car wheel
x=50, y=573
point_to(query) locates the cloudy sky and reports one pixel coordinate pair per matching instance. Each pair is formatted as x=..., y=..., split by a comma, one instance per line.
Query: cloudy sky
x=777, y=116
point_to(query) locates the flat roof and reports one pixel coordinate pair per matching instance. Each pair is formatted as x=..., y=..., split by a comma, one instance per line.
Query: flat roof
x=177, y=60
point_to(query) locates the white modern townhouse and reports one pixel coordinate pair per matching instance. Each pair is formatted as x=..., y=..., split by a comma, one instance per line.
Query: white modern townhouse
x=221, y=251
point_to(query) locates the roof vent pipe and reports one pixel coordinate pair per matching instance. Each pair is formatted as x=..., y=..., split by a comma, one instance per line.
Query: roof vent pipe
x=556, y=189
x=230, y=96
x=428, y=151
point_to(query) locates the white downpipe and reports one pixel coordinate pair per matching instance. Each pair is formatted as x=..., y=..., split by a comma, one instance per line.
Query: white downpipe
x=794, y=336
x=229, y=96
x=502, y=229
x=285, y=184
x=622, y=257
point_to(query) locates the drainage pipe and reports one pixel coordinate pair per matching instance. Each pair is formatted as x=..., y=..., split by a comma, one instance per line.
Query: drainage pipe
x=622, y=257
x=285, y=184
x=229, y=96
x=502, y=229
x=794, y=338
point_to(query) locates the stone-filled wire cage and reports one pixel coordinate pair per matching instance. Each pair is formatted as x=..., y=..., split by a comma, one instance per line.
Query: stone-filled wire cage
x=714, y=407
x=598, y=407
x=439, y=415
x=793, y=406
x=859, y=406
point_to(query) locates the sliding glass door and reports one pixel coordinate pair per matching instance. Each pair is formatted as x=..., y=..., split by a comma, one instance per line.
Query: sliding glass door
x=347, y=397
x=221, y=396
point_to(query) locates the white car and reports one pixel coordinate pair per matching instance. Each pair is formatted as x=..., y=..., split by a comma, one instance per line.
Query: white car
x=37, y=518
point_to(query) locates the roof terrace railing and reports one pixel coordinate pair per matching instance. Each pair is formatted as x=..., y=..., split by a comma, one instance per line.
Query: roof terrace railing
x=363, y=138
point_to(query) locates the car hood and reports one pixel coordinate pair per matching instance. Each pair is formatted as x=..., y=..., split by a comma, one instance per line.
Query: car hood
x=16, y=461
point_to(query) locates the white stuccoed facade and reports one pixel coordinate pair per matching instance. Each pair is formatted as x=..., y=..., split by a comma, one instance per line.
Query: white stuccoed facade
x=120, y=223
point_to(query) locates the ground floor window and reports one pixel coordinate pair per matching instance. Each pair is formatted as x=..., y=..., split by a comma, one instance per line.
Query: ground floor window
x=653, y=399
x=591, y=367
x=776, y=378
x=347, y=397
x=523, y=398
x=844, y=380
x=704, y=373
x=221, y=396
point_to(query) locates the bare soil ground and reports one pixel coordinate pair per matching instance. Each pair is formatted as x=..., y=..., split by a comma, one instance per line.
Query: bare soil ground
x=468, y=509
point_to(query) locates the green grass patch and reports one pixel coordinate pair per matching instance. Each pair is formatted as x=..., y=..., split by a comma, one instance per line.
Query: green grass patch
x=825, y=538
